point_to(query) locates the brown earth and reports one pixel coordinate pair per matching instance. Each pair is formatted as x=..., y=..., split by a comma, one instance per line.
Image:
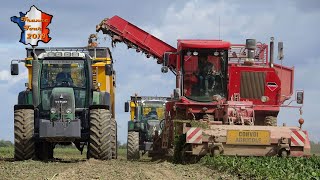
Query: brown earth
x=71, y=165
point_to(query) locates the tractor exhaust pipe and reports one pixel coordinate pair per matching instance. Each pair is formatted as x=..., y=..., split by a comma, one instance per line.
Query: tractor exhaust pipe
x=35, y=78
x=251, y=47
x=271, y=52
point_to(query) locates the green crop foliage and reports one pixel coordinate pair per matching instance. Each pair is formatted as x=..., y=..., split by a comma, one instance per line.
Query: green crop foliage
x=266, y=167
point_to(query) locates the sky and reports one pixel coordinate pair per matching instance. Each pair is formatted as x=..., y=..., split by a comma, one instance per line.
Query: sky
x=294, y=22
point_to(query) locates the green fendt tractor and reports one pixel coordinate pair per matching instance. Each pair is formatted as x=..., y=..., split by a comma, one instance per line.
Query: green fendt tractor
x=144, y=128
x=69, y=98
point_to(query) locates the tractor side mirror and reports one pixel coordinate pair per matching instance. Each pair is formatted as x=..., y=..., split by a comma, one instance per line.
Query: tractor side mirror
x=164, y=68
x=126, y=107
x=176, y=93
x=299, y=97
x=14, y=69
x=280, y=50
x=108, y=69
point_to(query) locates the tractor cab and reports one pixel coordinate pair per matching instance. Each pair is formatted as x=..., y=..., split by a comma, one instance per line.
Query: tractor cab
x=146, y=124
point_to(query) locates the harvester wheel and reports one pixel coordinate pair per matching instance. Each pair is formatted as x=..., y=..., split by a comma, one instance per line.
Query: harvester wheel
x=270, y=121
x=100, y=135
x=23, y=134
x=284, y=153
x=133, y=152
x=216, y=152
x=114, y=139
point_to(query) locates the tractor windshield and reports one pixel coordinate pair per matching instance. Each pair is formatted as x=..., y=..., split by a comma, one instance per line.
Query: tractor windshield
x=204, y=74
x=153, y=110
x=63, y=73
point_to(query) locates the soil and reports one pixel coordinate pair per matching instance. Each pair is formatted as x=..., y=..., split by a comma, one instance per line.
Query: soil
x=70, y=165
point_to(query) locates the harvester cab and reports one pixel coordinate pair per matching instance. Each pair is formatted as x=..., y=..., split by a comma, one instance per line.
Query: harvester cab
x=147, y=115
x=69, y=99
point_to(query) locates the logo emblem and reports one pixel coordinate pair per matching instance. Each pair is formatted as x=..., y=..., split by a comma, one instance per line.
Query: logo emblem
x=33, y=25
x=272, y=86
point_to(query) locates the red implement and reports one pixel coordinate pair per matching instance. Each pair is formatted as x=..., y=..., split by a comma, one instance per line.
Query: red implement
x=122, y=31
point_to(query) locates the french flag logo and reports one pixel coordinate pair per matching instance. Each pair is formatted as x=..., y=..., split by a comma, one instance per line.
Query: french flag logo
x=33, y=25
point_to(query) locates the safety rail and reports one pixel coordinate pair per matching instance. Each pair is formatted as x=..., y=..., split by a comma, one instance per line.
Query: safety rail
x=238, y=54
x=95, y=53
x=144, y=98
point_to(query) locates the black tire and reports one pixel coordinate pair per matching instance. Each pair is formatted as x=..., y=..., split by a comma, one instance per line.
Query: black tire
x=216, y=152
x=270, y=121
x=23, y=134
x=114, y=139
x=283, y=153
x=100, y=135
x=44, y=150
x=133, y=152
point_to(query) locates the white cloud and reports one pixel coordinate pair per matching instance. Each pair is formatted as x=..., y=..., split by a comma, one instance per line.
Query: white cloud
x=4, y=75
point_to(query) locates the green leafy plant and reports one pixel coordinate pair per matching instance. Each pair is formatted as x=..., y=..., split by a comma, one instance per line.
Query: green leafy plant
x=266, y=167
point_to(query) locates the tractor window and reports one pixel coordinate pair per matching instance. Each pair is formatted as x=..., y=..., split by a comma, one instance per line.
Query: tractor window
x=203, y=75
x=153, y=110
x=54, y=74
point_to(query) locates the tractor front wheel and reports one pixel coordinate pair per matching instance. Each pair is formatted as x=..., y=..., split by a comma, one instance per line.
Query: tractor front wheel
x=23, y=134
x=133, y=152
x=100, y=135
x=114, y=139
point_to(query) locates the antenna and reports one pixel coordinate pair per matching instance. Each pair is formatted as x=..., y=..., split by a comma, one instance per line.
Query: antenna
x=219, y=28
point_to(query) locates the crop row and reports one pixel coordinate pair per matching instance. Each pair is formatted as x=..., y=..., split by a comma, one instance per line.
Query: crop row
x=266, y=167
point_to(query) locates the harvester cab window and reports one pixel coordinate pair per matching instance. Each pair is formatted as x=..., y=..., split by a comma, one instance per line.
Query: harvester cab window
x=203, y=76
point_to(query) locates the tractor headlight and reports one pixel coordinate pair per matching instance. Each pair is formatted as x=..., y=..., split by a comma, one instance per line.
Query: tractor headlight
x=68, y=111
x=53, y=110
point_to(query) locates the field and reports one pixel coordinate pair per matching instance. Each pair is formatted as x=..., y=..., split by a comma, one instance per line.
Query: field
x=70, y=164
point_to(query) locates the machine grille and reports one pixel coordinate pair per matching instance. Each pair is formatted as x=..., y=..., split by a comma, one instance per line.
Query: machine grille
x=252, y=84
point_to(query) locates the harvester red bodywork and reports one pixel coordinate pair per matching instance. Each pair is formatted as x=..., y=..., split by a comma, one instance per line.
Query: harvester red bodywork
x=229, y=112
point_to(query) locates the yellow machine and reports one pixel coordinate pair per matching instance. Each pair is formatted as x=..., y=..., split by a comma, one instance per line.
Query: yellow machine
x=78, y=109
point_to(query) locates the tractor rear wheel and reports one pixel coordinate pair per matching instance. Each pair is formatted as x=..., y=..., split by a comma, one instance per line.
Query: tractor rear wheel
x=100, y=135
x=133, y=152
x=270, y=121
x=23, y=134
x=114, y=139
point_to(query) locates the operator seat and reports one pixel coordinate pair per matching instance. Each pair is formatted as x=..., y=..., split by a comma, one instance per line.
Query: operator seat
x=64, y=79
